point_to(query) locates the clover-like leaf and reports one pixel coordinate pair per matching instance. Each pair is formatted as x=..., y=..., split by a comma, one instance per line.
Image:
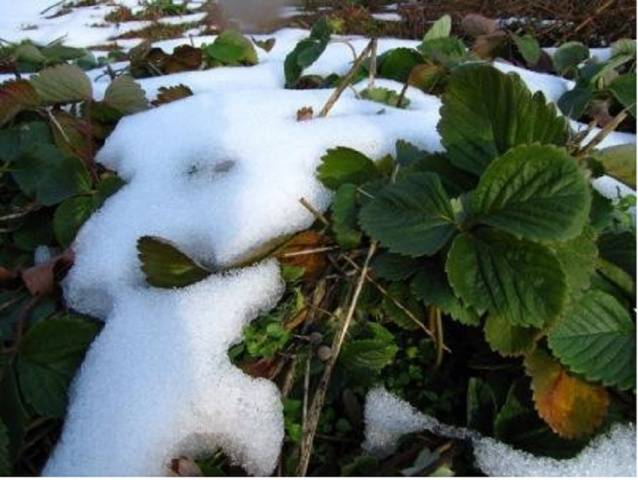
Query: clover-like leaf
x=534, y=191
x=596, y=338
x=486, y=112
x=572, y=407
x=518, y=280
x=411, y=217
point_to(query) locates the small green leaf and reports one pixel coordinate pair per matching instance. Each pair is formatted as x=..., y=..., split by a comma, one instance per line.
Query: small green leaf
x=534, y=191
x=370, y=353
x=620, y=162
x=232, y=48
x=481, y=406
x=596, y=338
x=430, y=285
x=306, y=52
x=125, y=95
x=520, y=281
x=411, y=217
x=62, y=84
x=397, y=64
x=384, y=96
x=617, y=276
x=49, y=355
x=343, y=165
x=446, y=51
x=624, y=89
x=344, y=216
x=568, y=56
x=507, y=339
x=439, y=29
x=266, y=45
x=70, y=216
x=574, y=102
x=528, y=47
x=486, y=112
x=165, y=266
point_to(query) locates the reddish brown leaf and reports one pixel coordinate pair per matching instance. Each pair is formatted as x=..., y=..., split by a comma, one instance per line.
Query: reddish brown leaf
x=170, y=94
x=262, y=368
x=40, y=279
x=304, y=250
x=15, y=97
x=305, y=113
x=184, y=467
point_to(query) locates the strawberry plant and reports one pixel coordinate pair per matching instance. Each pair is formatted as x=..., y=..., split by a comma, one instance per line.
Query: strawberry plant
x=602, y=89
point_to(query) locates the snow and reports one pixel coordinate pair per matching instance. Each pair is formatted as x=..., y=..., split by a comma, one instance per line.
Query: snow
x=387, y=17
x=387, y=418
x=158, y=381
x=219, y=174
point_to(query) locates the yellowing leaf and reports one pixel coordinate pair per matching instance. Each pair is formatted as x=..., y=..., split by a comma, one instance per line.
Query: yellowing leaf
x=570, y=406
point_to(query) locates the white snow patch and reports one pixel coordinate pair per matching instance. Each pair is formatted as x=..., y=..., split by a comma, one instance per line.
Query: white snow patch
x=387, y=17
x=387, y=418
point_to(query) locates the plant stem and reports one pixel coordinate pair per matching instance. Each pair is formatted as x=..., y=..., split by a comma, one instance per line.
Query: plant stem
x=345, y=81
x=310, y=429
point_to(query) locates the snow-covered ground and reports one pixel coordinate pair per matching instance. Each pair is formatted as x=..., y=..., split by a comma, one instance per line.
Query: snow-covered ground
x=219, y=174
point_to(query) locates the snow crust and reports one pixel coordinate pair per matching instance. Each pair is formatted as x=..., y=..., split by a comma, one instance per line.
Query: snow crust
x=387, y=418
x=219, y=174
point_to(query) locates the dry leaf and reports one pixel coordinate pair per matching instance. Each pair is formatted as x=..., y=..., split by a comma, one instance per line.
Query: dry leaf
x=184, y=467
x=301, y=251
x=570, y=406
x=305, y=113
x=476, y=25
x=40, y=279
x=485, y=46
x=170, y=94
